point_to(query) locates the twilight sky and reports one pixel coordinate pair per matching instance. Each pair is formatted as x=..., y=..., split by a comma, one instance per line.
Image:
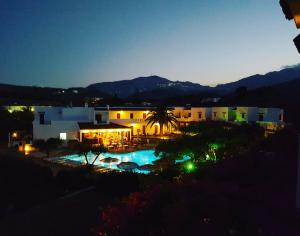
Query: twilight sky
x=63, y=43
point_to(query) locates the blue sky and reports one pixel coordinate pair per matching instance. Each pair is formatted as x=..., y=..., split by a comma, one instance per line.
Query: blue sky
x=75, y=43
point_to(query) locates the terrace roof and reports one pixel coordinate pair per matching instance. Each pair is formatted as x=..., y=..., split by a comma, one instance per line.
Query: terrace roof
x=90, y=125
x=124, y=108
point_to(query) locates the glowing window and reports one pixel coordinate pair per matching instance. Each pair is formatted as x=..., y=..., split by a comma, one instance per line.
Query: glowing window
x=63, y=136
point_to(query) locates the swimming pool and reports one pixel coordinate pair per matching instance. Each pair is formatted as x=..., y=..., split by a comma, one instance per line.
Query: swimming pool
x=141, y=158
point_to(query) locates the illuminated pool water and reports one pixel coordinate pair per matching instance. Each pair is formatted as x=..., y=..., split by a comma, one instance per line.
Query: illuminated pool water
x=141, y=158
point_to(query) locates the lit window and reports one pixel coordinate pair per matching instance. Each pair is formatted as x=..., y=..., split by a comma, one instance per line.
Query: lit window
x=63, y=136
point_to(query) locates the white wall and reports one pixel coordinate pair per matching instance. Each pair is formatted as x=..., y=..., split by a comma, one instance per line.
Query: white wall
x=54, y=129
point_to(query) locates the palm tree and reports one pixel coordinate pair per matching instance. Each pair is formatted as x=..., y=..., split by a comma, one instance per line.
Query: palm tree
x=163, y=116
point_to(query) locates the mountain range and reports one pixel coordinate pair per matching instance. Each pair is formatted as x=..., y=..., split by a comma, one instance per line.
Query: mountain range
x=146, y=86
x=152, y=88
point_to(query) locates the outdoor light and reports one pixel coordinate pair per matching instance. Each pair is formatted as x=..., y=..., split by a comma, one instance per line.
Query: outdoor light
x=189, y=166
x=214, y=146
x=27, y=149
x=14, y=134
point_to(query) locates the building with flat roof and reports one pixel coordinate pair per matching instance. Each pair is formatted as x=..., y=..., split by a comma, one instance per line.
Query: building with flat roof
x=119, y=124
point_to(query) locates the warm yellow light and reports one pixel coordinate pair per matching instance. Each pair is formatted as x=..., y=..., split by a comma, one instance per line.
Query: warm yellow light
x=10, y=110
x=103, y=130
x=32, y=109
x=14, y=135
x=28, y=148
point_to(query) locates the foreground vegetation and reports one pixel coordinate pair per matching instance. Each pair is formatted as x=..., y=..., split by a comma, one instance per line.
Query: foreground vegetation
x=250, y=193
x=236, y=182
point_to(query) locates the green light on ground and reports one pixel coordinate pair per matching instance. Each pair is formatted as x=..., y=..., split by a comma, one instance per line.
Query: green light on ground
x=190, y=167
x=214, y=146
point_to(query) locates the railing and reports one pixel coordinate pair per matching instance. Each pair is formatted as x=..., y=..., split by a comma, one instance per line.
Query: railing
x=129, y=120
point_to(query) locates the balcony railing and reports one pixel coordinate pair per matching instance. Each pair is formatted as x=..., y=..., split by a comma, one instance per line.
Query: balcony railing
x=129, y=120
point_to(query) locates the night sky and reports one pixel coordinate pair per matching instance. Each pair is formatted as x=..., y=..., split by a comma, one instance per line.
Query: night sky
x=75, y=43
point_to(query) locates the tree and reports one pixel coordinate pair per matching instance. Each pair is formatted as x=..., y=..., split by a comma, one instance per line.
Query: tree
x=211, y=141
x=84, y=148
x=48, y=145
x=163, y=116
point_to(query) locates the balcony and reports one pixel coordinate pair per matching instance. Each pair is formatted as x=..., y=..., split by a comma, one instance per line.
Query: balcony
x=184, y=118
x=128, y=120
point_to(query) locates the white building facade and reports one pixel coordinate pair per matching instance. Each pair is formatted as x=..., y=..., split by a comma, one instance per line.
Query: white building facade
x=101, y=123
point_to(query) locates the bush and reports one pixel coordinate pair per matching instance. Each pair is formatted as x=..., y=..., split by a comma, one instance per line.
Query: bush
x=117, y=183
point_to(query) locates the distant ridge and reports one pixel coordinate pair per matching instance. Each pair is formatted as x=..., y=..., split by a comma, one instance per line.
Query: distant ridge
x=257, y=81
x=127, y=88
x=146, y=88
x=159, y=85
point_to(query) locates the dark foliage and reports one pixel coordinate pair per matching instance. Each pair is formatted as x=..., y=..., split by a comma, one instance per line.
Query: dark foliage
x=18, y=120
x=251, y=194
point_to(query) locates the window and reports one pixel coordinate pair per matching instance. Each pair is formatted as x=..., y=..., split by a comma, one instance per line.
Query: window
x=118, y=116
x=215, y=114
x=144, y=115
x=280, y=117
x=42, y=118
x=260, y=117
x=200, y=115
x=63, y=136
x=98, y=118
x=224, y=115
x=131, y=115
x=243, y=115
x=190, y=114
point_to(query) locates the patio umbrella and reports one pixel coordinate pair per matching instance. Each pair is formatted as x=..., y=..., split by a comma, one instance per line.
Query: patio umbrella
x=109, y=160
x=127, y=166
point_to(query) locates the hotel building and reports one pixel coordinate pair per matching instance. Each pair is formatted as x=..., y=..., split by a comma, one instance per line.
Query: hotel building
x=103, y=124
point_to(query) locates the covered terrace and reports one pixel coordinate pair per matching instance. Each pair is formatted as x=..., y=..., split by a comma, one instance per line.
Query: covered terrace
x=110, y=135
